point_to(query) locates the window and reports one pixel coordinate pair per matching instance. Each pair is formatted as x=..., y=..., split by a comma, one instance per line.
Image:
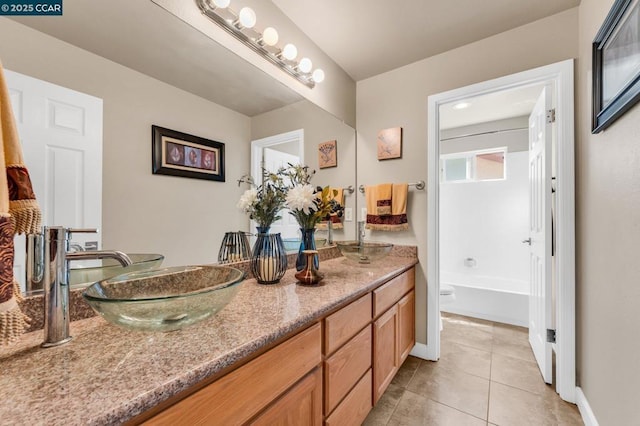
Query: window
x=473, y=166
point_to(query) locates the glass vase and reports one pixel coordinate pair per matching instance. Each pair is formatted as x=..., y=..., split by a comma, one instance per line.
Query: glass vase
x=268, y=258
x=308, y=242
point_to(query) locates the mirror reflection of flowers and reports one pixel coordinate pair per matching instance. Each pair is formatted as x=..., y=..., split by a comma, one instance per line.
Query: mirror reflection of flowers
x=308, y=204
x=263, y=202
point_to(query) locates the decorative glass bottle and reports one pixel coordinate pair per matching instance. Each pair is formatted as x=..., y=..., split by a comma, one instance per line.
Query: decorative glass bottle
x=309, y=274
x=268, y=259
x=308, y=242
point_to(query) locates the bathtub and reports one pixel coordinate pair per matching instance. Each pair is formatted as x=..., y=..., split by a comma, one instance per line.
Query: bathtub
x=491, y=298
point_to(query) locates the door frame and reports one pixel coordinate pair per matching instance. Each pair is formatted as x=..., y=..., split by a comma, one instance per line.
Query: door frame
x=561, y=74
x=258, y=144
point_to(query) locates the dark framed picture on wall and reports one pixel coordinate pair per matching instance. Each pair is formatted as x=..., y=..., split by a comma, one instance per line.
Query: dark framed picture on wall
x=616, y=64
x=180, y=154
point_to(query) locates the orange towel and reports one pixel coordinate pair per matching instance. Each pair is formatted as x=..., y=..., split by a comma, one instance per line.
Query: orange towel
x=384, y=193
x=397, y=220
x=19, y=213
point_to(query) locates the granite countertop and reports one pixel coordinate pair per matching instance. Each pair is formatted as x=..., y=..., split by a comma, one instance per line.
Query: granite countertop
x=108, y=375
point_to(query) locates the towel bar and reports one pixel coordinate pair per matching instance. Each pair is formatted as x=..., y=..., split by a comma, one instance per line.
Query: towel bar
x=419, y=186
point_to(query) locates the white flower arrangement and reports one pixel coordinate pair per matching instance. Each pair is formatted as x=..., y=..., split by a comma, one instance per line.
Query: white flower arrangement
x=247, y=200
x=263, y=202
x=308, y=204
x=302, y=198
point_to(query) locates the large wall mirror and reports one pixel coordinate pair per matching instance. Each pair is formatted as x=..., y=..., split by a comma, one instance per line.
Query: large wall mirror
x=150, y=68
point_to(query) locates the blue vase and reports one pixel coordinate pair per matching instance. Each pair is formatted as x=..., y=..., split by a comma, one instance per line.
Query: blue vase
x=268, y=258
x=308, y=242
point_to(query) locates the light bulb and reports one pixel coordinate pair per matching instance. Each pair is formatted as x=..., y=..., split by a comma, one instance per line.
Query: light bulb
x=318, y=76
x=270, y=36
x=289, y=52
x=305, y=65
x=222, y=4
x=247, y=17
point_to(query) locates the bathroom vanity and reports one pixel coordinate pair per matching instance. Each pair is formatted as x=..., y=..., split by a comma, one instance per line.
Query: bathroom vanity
x=280, y=353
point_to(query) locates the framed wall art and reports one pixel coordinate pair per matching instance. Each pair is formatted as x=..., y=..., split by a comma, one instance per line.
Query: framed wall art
x=390, y=143
x=180, y=154
x=616, y=64
x=328, y=154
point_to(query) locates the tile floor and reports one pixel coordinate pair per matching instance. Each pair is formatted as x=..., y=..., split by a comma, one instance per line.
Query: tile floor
x=486, y=376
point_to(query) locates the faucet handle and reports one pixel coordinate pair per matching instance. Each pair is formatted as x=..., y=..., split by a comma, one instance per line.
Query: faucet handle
x=82, y=230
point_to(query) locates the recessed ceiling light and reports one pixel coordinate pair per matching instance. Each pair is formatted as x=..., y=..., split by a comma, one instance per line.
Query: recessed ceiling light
x=461, y=105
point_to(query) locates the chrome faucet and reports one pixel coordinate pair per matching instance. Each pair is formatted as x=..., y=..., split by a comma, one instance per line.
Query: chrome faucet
x=329, y=233
x=361, y=233
x=53, y=262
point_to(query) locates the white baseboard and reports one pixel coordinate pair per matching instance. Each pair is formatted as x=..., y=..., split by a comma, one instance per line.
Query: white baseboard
x=419, y=350
x=588, y=417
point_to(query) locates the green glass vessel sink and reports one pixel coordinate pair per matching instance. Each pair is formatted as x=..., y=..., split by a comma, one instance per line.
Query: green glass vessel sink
x=164, y=299
x=85, y=272
x=364, y=252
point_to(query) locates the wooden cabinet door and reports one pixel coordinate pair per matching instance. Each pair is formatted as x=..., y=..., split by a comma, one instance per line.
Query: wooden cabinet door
x=300, y=406
x=406, y=325
x=385, y=351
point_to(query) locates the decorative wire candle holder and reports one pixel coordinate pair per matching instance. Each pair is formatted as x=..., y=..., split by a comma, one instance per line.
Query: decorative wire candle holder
x=269, y=259
x=234, y=247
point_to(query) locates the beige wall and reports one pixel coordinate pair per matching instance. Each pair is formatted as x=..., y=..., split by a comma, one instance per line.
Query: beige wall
x=184, y=219
x=319, y=126
x=399, y=98
x=608, y=232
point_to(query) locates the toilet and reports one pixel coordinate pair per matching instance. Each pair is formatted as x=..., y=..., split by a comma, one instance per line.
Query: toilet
x=447, y=296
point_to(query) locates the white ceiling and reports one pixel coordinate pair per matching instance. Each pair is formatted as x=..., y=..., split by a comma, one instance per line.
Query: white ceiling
x=365, y=37
x=490, y=107
x=369, y=37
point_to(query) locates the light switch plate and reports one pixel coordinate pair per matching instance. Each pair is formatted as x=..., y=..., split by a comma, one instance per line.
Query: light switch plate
x=348, y=214
x=363, y=214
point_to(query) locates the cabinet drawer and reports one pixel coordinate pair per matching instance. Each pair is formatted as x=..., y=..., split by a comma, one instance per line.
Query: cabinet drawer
x=343, y=369
x=300, y=406
x=344, y=324
x=387, y=295
x=355, y=407
x=241, y=394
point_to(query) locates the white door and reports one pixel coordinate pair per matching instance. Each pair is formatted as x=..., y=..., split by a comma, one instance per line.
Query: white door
x=540, y=308
x=273, y=160
x=61, y=134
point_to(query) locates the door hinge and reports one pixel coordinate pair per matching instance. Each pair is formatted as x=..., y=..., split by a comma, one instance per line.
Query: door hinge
x=551, y=336
x=551, y=116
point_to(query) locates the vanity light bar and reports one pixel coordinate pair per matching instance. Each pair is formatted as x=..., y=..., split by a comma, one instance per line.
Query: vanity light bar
x=219, y=12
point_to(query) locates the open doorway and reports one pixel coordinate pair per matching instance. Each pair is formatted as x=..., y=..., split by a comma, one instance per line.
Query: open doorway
x=484, y=205
x=555, y=116
x=270, y=154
